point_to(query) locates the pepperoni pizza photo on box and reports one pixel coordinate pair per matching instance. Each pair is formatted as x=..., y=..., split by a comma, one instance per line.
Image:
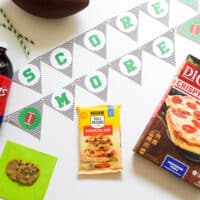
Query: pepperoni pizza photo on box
x=171, y=139
x=183, y=122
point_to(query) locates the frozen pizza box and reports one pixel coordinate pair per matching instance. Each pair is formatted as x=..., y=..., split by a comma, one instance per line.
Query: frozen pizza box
x=171, y=139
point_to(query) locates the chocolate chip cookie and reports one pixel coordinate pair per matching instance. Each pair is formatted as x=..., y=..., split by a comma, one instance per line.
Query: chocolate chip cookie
x=13, y=168
x=28, y=174
x=21, y=172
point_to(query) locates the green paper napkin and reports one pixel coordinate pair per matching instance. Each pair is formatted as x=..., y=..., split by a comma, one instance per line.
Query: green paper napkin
x=11, y=190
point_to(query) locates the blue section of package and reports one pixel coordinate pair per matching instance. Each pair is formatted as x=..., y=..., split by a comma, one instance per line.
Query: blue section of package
x=174, y=166
x=110, y=111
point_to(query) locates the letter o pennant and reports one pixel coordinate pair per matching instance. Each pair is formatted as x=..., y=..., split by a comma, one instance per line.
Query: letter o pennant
x=96, y=82
x=94, y=40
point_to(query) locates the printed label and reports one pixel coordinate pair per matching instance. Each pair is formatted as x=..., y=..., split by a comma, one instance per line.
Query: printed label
x=5, y=84
x=97, y=121
x=189, y=80
x=90, y=131
x=174, y=166
x=103, y=165
x=191, y=74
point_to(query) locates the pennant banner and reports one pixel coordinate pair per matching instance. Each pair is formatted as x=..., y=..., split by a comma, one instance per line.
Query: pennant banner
x=158, y=9
x=163, y=47
x=95, y=83
x=28, y=119
x=194, y=4
x=94, y=40
x=190, y=29
x=61, y=58
x=62, y=101
x=129, y=65
x=29, y=76
x=127, y=23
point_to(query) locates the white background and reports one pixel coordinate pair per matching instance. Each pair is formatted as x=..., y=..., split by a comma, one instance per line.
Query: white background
x=140, y=178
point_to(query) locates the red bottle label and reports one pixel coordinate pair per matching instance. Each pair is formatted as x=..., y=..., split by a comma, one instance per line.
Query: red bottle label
x=5, y=84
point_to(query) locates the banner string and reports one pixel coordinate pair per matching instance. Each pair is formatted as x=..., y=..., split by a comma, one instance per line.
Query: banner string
x=21, y=38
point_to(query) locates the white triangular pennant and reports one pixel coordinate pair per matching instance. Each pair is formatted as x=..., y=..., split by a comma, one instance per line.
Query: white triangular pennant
x=129, y=65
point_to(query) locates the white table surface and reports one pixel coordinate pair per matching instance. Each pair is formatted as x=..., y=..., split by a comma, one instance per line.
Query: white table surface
x=140, y=178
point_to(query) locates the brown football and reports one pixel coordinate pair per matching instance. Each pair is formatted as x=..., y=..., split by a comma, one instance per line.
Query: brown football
x=52, y=8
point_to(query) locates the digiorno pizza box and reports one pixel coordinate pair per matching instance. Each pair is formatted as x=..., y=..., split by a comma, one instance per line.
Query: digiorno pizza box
x=171, y=139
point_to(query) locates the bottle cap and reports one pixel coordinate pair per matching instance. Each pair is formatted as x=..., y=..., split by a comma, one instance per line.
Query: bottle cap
x=3, y=45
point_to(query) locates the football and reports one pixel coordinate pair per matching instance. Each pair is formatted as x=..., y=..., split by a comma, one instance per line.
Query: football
x=52, y=8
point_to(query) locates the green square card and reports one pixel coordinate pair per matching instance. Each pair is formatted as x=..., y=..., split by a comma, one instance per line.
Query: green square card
x=11, y=190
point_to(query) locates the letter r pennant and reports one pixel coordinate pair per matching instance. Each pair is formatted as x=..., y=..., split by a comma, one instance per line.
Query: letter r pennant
x=127, y=23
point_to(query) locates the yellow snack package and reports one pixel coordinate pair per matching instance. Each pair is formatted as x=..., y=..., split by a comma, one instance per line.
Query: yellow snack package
x=99, y=139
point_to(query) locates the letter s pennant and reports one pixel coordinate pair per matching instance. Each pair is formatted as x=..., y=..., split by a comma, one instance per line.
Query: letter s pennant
x=30, y=76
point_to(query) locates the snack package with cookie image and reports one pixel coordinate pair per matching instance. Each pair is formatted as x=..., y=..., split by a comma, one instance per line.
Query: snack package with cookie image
x=171, y=139
x=99, y=139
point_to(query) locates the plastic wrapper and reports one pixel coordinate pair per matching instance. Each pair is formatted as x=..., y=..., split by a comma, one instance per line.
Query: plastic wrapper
x=99, y=139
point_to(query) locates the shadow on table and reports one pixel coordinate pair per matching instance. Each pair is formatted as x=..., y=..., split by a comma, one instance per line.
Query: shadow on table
x=163, y=179
x=47, y=33
x=112, y=176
